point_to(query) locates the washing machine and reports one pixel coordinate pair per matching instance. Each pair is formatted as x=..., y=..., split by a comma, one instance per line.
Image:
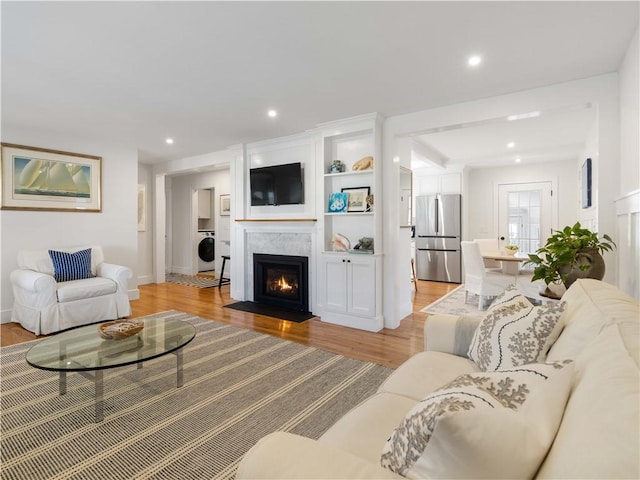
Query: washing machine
x=206, y=250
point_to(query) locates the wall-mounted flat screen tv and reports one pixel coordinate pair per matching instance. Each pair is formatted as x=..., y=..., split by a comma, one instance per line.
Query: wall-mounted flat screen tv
x=276, y=185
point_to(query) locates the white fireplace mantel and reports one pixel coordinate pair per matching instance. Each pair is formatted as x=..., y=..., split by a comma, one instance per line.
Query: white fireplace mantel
x=284, y=237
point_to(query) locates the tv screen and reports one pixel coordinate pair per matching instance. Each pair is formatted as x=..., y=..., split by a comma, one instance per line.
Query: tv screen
x=276, y=185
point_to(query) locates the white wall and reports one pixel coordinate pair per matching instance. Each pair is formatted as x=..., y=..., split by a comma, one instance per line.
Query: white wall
x=114, y=228
x=479, y=201
x=145, y=238
x=628, y=202
x=630, y=119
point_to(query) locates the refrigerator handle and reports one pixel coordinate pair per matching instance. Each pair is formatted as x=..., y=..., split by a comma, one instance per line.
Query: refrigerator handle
x=435, y=225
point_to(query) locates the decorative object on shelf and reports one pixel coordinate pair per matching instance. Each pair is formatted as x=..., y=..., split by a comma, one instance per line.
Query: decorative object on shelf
x=510, y=249
x=357, y=200
x=369, y=203
x=225, y=205
x=340, y=243
x=365, y=163
x=365, y=244
x=569, y=254
x=40, y=179
x=338, y=202
x=337, y=166
x=119, y=329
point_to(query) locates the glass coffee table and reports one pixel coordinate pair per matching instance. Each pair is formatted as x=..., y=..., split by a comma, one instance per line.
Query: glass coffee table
x=84, y=351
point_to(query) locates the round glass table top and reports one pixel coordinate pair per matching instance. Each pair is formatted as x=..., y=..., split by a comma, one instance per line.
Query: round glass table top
x=82, y=348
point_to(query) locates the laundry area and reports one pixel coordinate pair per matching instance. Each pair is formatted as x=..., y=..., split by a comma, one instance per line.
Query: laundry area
x=205, y=244
x=198, y=224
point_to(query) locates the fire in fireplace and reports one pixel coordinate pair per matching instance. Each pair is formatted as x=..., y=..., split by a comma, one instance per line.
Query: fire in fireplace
x=281, y=280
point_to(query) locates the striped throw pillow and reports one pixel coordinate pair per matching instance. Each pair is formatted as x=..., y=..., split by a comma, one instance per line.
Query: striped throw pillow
x=71, y=266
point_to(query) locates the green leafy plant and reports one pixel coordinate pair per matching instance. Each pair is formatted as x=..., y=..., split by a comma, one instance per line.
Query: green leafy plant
x=561, y=253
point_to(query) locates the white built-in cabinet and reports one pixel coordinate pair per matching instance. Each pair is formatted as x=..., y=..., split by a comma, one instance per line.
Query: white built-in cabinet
x=204, y=203
x=351, y=283
x=444, y=183
x=351, y=289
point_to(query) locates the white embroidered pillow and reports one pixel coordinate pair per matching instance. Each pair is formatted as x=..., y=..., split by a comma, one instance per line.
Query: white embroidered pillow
x=482, y=425
x=514, y=332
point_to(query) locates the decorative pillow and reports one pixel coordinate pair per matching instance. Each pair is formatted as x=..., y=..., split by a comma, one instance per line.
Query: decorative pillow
x=514, y=332
x=71, y=266
x=482, y=425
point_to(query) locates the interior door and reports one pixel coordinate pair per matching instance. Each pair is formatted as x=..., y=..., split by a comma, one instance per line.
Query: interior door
x=525, y=214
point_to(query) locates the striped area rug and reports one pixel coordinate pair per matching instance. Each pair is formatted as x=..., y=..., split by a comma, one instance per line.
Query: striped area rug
x=239, y=385
x=192, y=280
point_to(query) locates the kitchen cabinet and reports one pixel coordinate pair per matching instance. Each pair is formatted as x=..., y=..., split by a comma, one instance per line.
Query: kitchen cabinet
x=445, y=183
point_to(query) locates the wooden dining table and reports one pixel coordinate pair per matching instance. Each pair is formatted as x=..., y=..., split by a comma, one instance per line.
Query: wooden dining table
x=510, y=263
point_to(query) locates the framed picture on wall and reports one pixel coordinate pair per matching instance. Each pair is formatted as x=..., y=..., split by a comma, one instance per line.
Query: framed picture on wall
x=225, y=205
x=33, y=178
x=357, y=201
x=586, y=183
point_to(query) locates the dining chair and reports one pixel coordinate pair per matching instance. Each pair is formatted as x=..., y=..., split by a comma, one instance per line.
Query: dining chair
x=479, y=280
x=489, y=245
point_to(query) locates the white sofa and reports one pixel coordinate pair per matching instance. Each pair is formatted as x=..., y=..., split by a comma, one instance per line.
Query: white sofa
x=599, y=430
x=45, y=306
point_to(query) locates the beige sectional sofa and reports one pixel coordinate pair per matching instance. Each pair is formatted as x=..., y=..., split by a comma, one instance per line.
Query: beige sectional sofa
x=599, y=424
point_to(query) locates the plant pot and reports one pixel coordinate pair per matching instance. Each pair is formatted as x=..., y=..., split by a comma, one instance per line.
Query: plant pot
x=592, y=265
x=554, y=291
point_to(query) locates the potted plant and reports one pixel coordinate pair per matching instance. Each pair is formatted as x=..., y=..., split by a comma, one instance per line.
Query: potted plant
x=569, y=254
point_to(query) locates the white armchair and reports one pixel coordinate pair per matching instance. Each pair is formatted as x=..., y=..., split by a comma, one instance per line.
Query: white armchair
x=45, y=306
x=478, y=279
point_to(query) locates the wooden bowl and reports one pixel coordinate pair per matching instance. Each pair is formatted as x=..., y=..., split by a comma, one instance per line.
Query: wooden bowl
x=119, y=329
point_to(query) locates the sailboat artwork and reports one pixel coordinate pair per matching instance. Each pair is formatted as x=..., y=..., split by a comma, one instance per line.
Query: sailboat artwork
x=34, y=178
x=49, y=177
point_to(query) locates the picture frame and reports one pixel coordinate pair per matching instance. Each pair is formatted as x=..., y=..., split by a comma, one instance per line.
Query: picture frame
x=142, y=213
x=338, y=202
x=225, y=205
x=33, y=178
x=357, y=200
x=586, y=183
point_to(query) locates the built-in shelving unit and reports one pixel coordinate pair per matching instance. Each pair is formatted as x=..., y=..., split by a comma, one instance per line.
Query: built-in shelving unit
x=351, y=283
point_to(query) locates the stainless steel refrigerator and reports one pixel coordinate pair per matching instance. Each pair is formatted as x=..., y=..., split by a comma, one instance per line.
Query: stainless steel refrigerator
x=438, y=228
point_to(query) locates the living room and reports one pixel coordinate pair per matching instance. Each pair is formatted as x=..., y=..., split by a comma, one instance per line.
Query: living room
x=117, y=80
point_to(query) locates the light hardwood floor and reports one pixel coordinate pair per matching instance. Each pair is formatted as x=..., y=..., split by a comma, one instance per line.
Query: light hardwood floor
x=387, y=347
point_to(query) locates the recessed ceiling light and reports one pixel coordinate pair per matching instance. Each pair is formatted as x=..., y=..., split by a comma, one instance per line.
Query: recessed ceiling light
x=518, y=160
x=272, y=113
x=169, y=141
x=511, y=144
x=474, y=60
x=523, y=116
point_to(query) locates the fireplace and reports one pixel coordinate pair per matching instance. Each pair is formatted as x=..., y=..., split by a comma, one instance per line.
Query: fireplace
x=281, y=280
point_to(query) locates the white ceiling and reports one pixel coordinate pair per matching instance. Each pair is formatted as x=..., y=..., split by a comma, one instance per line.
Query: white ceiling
x=549, y=136
x=205, y=73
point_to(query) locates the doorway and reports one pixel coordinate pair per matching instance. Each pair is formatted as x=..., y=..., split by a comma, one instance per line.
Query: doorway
x=525, y=214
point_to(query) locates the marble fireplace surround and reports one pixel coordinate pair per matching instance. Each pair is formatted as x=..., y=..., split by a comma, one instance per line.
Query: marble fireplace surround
x=279, y=240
